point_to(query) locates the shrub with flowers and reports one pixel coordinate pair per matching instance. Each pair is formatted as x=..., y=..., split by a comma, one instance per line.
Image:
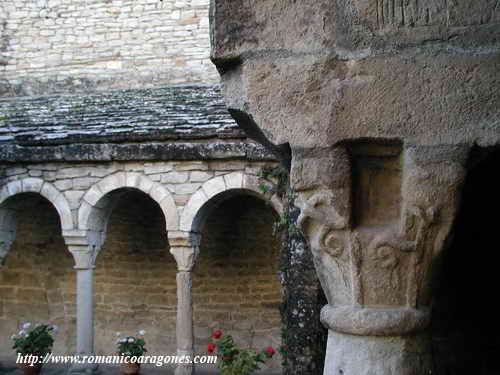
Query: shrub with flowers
x=131, y=346
x=236, y=361
x=34, y=339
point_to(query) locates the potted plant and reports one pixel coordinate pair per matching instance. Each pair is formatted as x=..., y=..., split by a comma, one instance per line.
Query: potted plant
x=234, y=360
x=32, y=344
x=131, y=348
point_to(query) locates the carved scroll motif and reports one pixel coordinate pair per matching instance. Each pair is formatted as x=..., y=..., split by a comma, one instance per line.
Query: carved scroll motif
x=330, y=237
x=387, y=259
x=415, y=239
x=355, y=255
x=328, y=215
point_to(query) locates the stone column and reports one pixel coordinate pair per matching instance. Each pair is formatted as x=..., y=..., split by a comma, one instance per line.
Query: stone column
x=7, y=231
x=378, y=122
x=84, y=254
x=6, y=239
x=85, y=311
x=374, y=253
x=184, y=248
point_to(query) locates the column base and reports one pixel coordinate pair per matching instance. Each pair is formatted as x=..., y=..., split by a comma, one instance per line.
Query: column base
x=184, y=370
x=83, y=368
x=376, y=355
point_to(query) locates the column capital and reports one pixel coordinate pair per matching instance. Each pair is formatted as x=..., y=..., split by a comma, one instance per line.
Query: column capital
x=374, y=243
x=84, y=246
x=184, y=239
x=185, y=257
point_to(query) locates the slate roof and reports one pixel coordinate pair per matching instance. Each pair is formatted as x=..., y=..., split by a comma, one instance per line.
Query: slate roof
x=176, y=113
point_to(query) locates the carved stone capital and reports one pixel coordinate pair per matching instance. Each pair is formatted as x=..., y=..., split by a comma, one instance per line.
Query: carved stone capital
x=184, y=239
x=185, y=257
x=375, y=226
x=84, y=256
x=402, y=202
x=84, y=246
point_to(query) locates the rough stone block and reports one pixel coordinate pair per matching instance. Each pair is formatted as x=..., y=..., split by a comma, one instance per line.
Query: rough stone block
x=186, y=188
x=189, y=212
x=175, y=177
x=15, y=187
x=32, y=185
x=35, y=173
x=157, y=168
x=191, y=166
x=72, y=172
x=214, y=186
x=200, y=176
x=74, y=198
x=15, y=171
x=158, y=192
x=234, y=180
x=64, y=184
x=83, y=183
x=113, y=182
x=93, y=195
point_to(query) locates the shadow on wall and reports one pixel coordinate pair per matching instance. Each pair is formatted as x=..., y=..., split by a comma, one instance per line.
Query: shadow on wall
x=235, y=285
x=135, y=285
x=466, y=333
x=235, y=282
x=37, y=282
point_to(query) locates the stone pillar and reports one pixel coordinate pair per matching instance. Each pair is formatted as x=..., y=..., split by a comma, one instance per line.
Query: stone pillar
x=6, y=239
x=378, y=122
x=374, y=253
x=184, y=248
x=7, y=231
x=85, y=311
x=84, y=254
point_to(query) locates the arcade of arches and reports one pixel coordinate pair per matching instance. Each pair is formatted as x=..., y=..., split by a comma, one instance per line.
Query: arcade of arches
x=73, y=234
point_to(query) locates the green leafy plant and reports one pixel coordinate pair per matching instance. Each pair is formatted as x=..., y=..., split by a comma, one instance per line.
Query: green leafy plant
x=234, y=360
x=277, y=178
x=131, y=346
x=34, y=339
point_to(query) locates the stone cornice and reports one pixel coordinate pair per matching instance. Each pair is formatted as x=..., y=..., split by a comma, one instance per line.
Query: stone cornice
x=134, y=152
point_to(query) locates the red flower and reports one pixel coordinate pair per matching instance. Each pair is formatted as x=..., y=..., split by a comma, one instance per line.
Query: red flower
x=211, y=347
x=269, y=351
x=217, y=334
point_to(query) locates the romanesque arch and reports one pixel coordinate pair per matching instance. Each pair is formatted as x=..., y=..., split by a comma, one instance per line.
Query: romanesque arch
x=185, y=250
x=201, y=202
x=99, y=200
x=29, y=185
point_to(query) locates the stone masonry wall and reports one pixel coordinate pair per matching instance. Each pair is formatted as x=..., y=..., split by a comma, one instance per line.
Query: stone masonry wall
x=37, y=281
x=135, y=273
x=236, y=282
x=68, y=45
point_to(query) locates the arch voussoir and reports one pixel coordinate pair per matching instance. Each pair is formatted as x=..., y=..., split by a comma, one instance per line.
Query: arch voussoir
x=94, y=199
x=29, y=185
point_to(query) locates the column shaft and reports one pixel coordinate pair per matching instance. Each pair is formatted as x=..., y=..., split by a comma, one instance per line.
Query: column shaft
x=85, y=311
x=366, y=355
x=184, y=330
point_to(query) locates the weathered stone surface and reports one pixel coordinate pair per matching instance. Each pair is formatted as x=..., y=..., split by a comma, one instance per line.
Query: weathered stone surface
x=71, y=46
x=144, y=115
x=139, y=282
x=378, y=103
x=174, y=177
x=199, y=176
x=136, y=151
